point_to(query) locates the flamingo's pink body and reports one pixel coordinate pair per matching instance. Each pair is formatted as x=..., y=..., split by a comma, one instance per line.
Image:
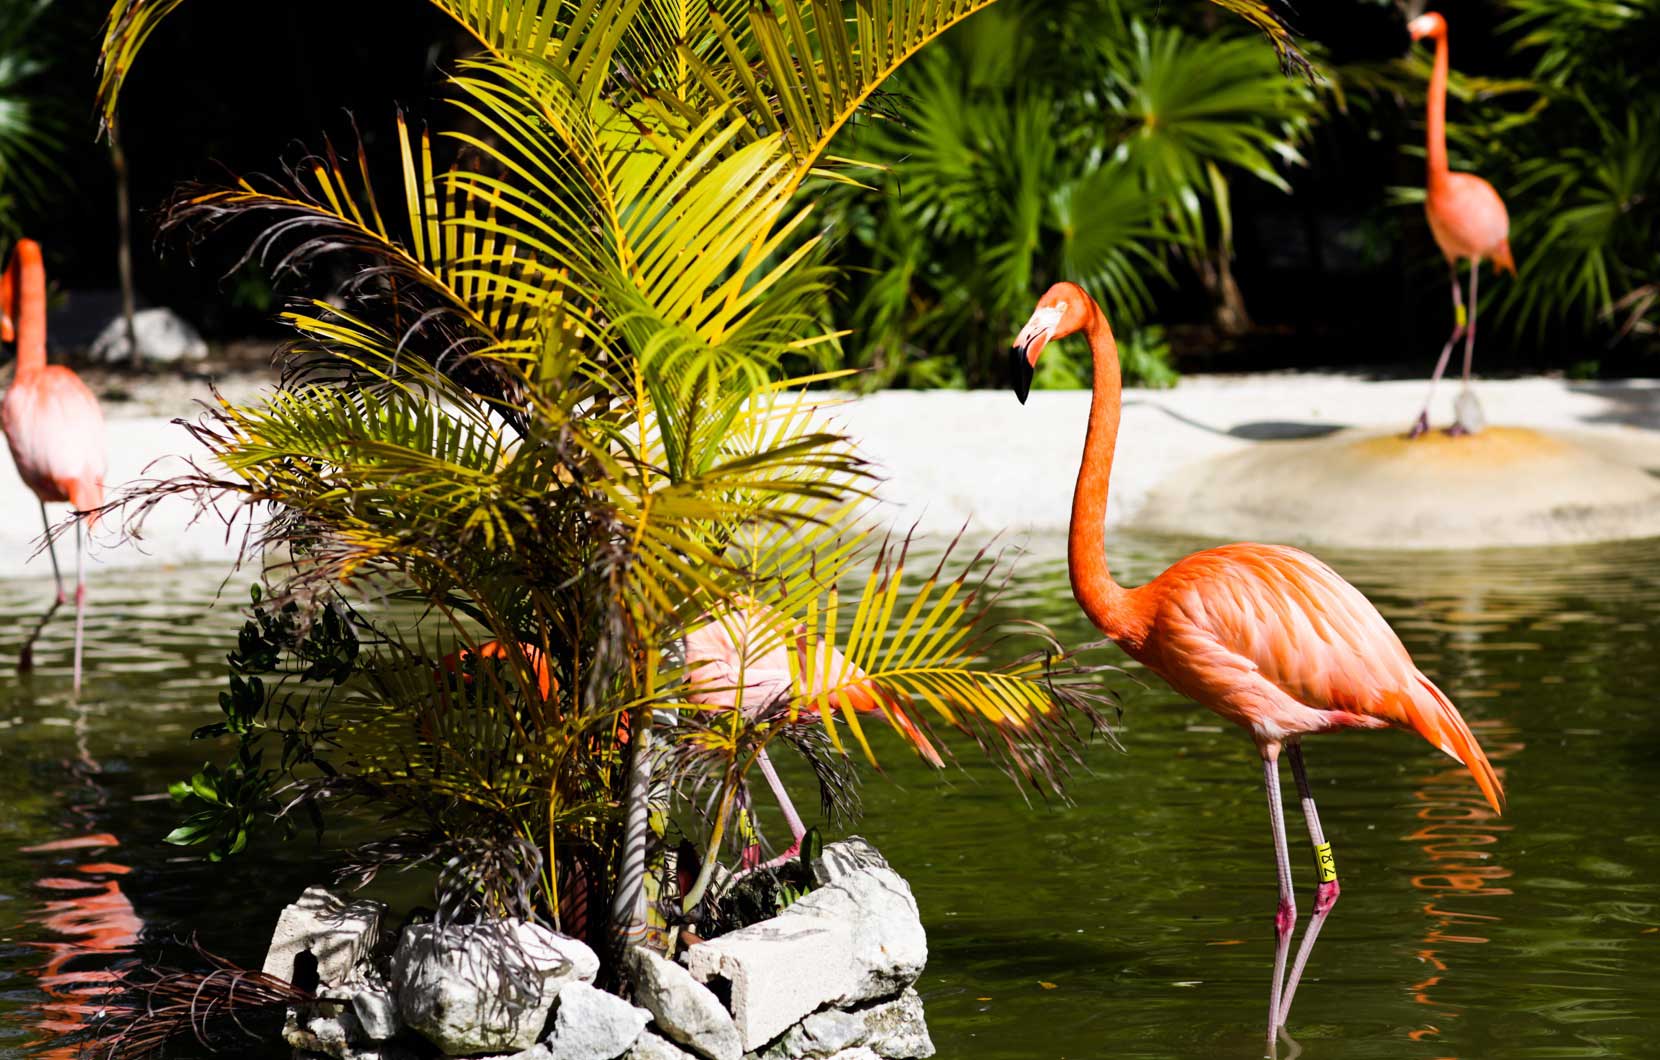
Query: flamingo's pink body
x=52, y=422
x=1466, y=216
x=741, y=657
x=1266, y=636
x=1275, y=641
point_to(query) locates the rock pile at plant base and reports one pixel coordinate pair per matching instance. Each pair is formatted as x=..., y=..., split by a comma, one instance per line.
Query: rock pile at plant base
x=830, y=978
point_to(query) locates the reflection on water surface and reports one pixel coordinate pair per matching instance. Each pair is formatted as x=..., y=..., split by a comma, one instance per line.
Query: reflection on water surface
x=1136, y=922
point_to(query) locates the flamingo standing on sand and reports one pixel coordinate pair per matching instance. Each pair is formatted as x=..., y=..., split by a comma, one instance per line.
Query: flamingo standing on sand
x=1468, y=220
x=52, y=424
x=1266, y=636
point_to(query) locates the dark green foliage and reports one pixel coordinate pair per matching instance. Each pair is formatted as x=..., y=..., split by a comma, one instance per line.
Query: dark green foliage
x=319, y=650
x=1013, y=163
x=31, y=118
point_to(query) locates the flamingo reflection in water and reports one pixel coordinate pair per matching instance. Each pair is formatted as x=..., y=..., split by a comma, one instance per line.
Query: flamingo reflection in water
x=1458, y=836
x=94, y=925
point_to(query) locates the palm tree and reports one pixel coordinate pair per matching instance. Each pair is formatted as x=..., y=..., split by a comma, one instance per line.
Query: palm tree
x=546, y=409
x=29, y=123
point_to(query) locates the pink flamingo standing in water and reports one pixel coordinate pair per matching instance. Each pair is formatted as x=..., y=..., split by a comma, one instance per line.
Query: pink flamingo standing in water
x=1266, y=636
x=52, y=424
x=741, y=658
x=1468, y=220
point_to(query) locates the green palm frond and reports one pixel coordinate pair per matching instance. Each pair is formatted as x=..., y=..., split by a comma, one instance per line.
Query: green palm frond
x=31, y=127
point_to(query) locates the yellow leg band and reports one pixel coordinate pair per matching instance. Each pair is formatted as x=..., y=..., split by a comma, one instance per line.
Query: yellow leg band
x=1324, y=863
x=1463, y=315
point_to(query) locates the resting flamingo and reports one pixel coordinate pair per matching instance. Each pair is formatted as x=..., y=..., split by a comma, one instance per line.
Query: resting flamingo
x=1468, y=220
x=1266, y=636
x=739, y=658
x=52, y=424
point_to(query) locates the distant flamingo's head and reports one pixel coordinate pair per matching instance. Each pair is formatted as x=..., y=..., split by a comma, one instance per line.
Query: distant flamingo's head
x=1063, y=310
x=1428, y=25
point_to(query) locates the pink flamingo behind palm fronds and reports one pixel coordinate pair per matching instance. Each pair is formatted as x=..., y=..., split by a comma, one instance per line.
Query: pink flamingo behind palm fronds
x=1468, y=220
x=1266, y=636
x=52, y=424
x=741, y=658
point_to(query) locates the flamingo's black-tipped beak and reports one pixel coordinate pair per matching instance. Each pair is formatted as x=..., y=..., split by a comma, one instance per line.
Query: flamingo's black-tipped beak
x=1020, y=372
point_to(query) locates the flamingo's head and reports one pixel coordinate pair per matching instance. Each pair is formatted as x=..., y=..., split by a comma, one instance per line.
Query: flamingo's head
x=1063, y=310
x=1427, y=25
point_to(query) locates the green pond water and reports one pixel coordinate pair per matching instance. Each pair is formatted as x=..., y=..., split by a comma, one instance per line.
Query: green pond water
x=1134, y=922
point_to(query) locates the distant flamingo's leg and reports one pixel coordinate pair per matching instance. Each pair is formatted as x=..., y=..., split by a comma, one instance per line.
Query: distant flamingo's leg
x=80, y=603
x=1285, y=919
x=26, y=655
x=1325, y=896
x=1469, y=418
x=1470, y=329
x=1421, y=425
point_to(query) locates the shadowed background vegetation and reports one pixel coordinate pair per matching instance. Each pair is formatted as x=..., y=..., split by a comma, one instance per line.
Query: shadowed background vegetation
x=1237, y=219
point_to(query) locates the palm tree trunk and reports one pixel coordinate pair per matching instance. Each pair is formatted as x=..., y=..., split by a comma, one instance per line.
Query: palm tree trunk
x=124, y=246
x=628, y=901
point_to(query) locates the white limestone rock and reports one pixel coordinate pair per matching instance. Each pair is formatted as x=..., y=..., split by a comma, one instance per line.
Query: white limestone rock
x=777, y=972
x=846, y=856
x=162, y=336
x=855, y=938
x=376, y=1008
x=894, y=1028
x=481, y=988
x=590, y=1024
x=684, y=1010
x=338, y=932
x=328, y=1030
x=890, y=947
x=652, y=1046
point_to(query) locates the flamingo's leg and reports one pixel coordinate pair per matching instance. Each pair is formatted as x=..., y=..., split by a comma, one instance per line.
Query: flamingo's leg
x=791, y=818
x=751, y=859
x=1325, y=896
x=26, y=655
x=1469, y=418
x=80, y=603
x=1285, y=918
x=1421, y=424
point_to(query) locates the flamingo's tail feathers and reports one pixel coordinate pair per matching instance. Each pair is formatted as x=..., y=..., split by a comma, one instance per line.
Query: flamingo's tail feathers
x=1442, y=725
x=87, y=496
x=1503, y=261
x=867, y=699
x=917, y=738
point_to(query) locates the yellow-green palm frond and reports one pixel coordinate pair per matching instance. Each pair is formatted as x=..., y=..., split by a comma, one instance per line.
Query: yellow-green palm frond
x=1261, y=14
x=435, y=261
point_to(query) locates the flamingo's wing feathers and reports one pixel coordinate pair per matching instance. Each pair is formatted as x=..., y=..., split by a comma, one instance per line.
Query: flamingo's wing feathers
x=1296, y=622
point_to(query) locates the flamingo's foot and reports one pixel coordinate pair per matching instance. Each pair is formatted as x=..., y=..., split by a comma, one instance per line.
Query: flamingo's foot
x=1468, y=416
x=26, y=659
x=750, y=860
x=1420, y=426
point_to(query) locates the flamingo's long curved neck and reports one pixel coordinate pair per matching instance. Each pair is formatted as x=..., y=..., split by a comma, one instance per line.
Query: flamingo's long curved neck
x=23, y=301
x=1102, y=599
x=1435, y=124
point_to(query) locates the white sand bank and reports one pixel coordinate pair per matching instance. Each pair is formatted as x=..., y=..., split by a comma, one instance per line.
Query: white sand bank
x=983, y=460
x=978, y=459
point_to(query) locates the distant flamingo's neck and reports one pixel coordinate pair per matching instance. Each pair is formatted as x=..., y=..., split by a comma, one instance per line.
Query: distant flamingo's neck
x=1435, y=125
x=23, y=299
x=1102, y=599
